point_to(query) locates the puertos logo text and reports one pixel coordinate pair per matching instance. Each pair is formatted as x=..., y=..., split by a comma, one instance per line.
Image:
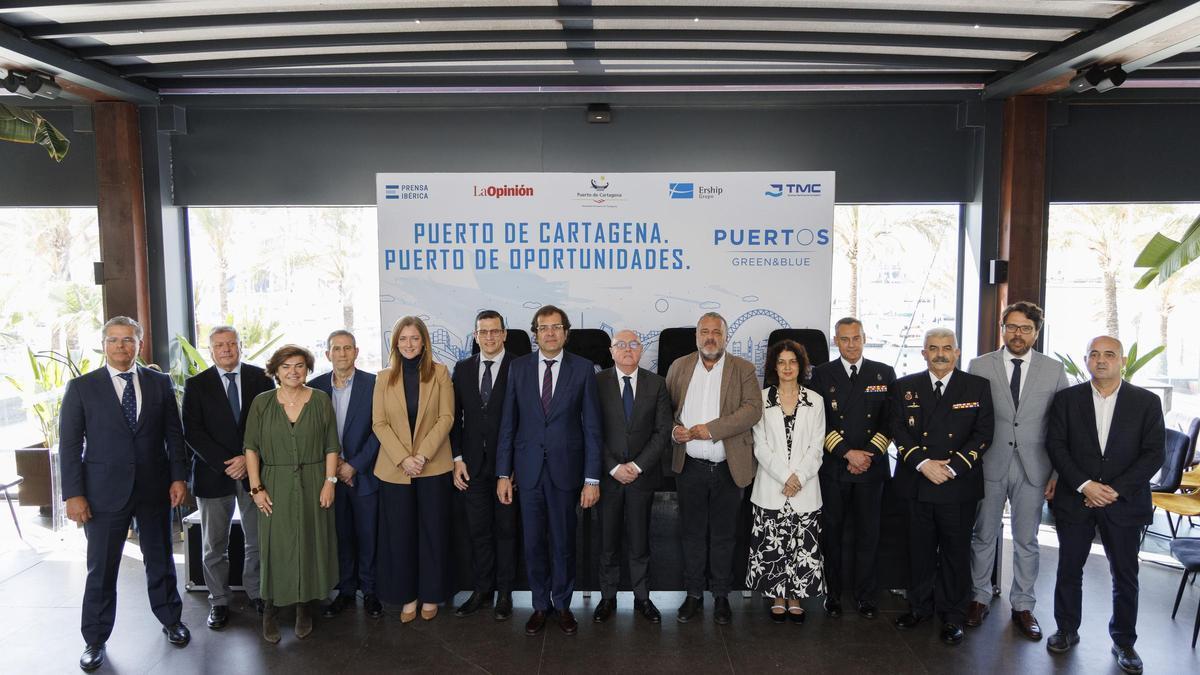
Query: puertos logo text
x=793, y=190
x=501, y=191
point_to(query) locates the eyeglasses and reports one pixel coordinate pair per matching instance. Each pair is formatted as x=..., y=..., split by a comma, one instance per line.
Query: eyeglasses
x=120, y=341
x=632, y=344
x=1014, y=328
x=550, y=328
x=489, y=332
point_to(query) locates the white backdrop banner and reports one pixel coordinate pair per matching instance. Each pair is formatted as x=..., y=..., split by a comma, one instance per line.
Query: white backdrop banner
x=643, y=251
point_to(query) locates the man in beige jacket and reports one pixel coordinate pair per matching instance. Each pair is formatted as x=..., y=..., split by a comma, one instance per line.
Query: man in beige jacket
x=717, y=401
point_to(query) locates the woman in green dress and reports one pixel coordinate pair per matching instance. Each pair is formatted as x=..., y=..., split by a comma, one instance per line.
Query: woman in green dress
x=291, y=459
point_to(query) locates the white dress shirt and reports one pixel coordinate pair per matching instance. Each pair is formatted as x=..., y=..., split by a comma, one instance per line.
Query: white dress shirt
x=701, y=405
x=119, y=385
x=857, y=364
x=933, y=380
x=621, y=392
x=1104, y=407
x=1008, y=366
x=555, y=369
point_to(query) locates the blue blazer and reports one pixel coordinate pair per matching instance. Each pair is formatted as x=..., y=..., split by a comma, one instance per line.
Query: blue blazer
x=150, y=456
x=568, y=439
x=360, y=447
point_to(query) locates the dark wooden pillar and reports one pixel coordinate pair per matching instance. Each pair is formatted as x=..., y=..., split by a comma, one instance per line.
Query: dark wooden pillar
x=121, y=210
x=1023, y=209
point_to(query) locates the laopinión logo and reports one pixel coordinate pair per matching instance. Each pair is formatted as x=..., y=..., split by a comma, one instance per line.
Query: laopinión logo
x=499, y=191
x=681, y=190
x=794, y=190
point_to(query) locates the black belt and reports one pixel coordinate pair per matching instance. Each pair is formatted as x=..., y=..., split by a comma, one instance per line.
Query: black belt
x=705, y=462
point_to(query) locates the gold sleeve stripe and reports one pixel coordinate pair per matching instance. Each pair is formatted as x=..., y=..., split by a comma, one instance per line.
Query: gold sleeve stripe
x=969, y=464
x=910, y=451
x=831, y=440
x=880, y=441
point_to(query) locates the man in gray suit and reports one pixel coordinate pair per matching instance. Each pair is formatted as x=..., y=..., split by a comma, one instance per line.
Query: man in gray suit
x=1017, y=468
x=637, y=431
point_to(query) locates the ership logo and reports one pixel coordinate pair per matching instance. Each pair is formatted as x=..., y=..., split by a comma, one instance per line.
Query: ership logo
x=682, y=190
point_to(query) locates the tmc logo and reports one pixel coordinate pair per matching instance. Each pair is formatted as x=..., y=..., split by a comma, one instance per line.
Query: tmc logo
x=794, y=189
x=681, y=190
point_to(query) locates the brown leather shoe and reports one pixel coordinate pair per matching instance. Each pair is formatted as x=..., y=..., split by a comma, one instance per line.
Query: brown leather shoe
x=537, y=621
x=1028, y=625
x=566, y=621
x=976, y=613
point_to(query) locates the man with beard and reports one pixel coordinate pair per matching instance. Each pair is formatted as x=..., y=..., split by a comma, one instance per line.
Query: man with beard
x=1016, y=468
x=942, y=424
x=717, y=402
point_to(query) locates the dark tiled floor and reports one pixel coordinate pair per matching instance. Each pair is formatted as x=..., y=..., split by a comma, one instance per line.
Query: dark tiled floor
x=41, y=591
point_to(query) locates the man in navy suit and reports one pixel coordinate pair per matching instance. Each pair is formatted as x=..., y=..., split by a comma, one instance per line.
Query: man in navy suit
x=550, y=435
x=1105, y=438
x=215, y=404
x=134, y=467
x=479, y=384
x=356, y=503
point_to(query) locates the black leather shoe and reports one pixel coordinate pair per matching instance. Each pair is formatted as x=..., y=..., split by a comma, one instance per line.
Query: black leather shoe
x=92, y=658
x=372, y=605
x=258, y=605
x=604, y=610
x=778, y=617
x=537, y=621
x=690, y=609
x=1128, y=659
x=503, y=611
x=218, y=616
x=796, y=616
x=722, y=612
x=908, y=620
x=647, y=609
x=340, y=603
x=952, y=634
x=833, y=607
x=868, y=610
x=476, y=602
x=567, y=622
x=1061, y=643
x=177, y=634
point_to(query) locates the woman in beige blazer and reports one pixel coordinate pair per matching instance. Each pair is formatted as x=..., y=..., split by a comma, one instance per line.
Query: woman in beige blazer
x=412, y=414
x=785, y=558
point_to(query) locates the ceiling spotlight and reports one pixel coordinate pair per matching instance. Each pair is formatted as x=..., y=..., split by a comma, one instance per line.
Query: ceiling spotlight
x=599, y=113
x=1099, y=78
x=30, y=84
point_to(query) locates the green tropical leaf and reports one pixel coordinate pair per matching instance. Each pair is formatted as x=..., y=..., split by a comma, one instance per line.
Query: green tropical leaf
x=1133, y=365
x=262, y=350
x=1165, y=256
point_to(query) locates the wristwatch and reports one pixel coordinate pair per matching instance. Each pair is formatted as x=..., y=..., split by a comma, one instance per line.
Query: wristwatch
x=255, y=490
x=330, y=479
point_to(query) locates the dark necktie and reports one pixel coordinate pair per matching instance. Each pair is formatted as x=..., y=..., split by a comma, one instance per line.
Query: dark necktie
x=1014, y=385
x=627, y=398
x=235, y=401
x=937, y=391
x=853, y=375
x=547, y=385
x=129, y=400
x=485, y=388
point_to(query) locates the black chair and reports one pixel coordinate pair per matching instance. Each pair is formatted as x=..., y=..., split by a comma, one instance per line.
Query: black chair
x=813, y=341
x=674, y=343
x=592, y=344
x=516, y=343
x=1187, y=552
x=1174, y=462
x=1193, y=434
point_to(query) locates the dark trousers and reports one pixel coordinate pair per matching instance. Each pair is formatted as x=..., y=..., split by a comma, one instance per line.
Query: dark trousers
x=106, y=533
x=493, y=530
x=548, y=520
x=708, y=513
x=413, y=548
x=940, y=556
x=624, y=515
x=843, y=503
x=357, y=520
x=1121, y=544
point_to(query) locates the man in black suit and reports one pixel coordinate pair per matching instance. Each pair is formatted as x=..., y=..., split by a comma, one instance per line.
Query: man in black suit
x=479, y=383
x=215, y=404
x=942, y=423
x=855, y=465
x=637, y=431
x=1105, y=438
x=121, y=457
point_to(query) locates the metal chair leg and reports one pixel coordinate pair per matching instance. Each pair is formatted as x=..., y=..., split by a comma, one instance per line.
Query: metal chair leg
x=1179, y=595
x=13, y=510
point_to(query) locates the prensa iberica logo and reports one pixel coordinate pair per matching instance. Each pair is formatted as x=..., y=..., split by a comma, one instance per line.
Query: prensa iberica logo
x=500, y=191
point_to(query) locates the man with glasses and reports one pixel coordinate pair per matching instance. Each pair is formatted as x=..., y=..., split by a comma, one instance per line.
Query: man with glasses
x=1016, y=468
x=121, y=457
x=550, y=435
x=715, y=414
x=637, y=430
x=215, y=403
x=479, y=384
